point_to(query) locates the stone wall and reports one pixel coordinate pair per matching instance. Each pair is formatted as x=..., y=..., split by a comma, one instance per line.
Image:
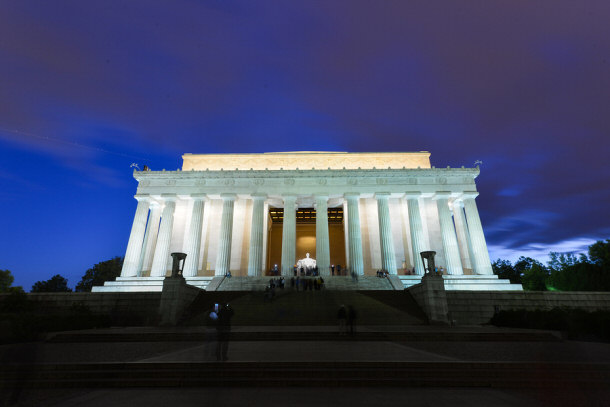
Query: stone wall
x=477, y=307
x=431, y=297
x=142, y=304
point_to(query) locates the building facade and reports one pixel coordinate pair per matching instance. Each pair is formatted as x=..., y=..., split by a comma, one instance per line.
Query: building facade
x=252, y=213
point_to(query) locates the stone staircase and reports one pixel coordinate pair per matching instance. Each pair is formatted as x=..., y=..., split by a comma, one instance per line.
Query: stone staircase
x=339, y=283
x=313, y=308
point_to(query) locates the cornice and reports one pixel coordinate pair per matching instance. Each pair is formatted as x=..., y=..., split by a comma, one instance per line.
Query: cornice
x=311, y=173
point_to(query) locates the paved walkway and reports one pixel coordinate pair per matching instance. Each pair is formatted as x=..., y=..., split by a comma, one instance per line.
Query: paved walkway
x=296, y=351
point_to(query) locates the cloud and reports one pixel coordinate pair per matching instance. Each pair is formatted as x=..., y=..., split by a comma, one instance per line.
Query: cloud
x=540, y=251
x=522, y=87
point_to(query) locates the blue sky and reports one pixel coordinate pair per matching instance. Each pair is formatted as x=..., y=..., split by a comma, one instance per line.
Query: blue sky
x=87, y=88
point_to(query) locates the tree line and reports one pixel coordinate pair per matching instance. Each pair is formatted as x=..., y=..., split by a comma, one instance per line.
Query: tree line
x=105, y=271
x=563, y=272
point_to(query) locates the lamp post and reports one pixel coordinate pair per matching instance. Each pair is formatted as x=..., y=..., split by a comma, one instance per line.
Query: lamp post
x=177, y=267
x=427, y=259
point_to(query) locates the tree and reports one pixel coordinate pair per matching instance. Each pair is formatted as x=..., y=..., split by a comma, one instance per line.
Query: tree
x=535, y=277
x=105, y=271
x=504, y=269
x=560, y=261
x=56, y=284
x=6, y=282
x=599, y=253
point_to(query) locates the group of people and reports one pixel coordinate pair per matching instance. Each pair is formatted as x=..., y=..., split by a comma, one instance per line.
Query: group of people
x=270, y=288
x=304, y=284
x=382, y=273
x=306, y=271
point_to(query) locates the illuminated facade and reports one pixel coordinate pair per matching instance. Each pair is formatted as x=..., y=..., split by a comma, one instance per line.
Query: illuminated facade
x=247, y=213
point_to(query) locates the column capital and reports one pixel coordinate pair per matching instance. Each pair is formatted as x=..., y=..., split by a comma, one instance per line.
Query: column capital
x=228, y=197
x=259, y=196
x=289, y=197
x=321, y=196
x=469, y=195
x=413, y=195
x=458, y=202
x=351, y=195
x=169, y=197
x=441, y=195
x=199, y=197
x=382, y=195
x=142, y=197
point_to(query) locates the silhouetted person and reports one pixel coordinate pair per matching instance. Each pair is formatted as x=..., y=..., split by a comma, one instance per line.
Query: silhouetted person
x=341, y=317
x=351, y=319
x=224, y=331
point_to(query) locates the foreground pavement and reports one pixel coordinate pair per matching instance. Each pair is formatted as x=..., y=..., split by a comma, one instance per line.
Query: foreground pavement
x=307, y=365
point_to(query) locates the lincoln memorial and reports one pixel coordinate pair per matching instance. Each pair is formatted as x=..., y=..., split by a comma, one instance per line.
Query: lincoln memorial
x=250, y=214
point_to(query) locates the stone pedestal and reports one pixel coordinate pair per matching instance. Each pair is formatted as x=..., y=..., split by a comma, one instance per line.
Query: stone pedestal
x=175, y=298
x=431, y=297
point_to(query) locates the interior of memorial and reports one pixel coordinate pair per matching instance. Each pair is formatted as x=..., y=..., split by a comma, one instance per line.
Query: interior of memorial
x=305, y=235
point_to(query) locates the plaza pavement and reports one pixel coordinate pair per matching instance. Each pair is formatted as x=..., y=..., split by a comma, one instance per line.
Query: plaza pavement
x=446, y=347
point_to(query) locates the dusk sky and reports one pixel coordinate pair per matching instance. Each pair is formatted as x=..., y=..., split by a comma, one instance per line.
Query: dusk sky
x=89, y=87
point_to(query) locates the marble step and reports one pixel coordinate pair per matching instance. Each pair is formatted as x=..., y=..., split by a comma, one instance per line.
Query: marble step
x=328, y=374
x=330, y=283
x=307, y=336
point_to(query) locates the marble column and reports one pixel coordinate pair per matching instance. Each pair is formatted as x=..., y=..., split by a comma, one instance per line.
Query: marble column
x=192, y=245
x=418, y=241
x=482, y=263
x=289, y=234
x=388, y=258
x=448, y=236
x=265, y=237
x=160, y=260
x=134, y=246
x=255, y=255
x=150, y=238
x=322, y=239
x=462, y=234
x=355, y=239
x=223, y=259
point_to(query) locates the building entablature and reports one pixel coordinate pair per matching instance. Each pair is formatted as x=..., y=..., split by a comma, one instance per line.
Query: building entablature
x=308, y=182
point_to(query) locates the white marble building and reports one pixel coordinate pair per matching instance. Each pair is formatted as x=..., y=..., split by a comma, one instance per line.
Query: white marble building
x=390, y=207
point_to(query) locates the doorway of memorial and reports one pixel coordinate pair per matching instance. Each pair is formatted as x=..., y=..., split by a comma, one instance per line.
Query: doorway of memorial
x=305, y=237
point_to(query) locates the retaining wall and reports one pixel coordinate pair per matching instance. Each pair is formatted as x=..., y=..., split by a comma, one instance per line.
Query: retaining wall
x=477, y=307
x=140, y=304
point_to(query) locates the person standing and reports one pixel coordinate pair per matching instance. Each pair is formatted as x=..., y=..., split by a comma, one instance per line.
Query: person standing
x=223, y=328
x=351, y=319
x=341, y=317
